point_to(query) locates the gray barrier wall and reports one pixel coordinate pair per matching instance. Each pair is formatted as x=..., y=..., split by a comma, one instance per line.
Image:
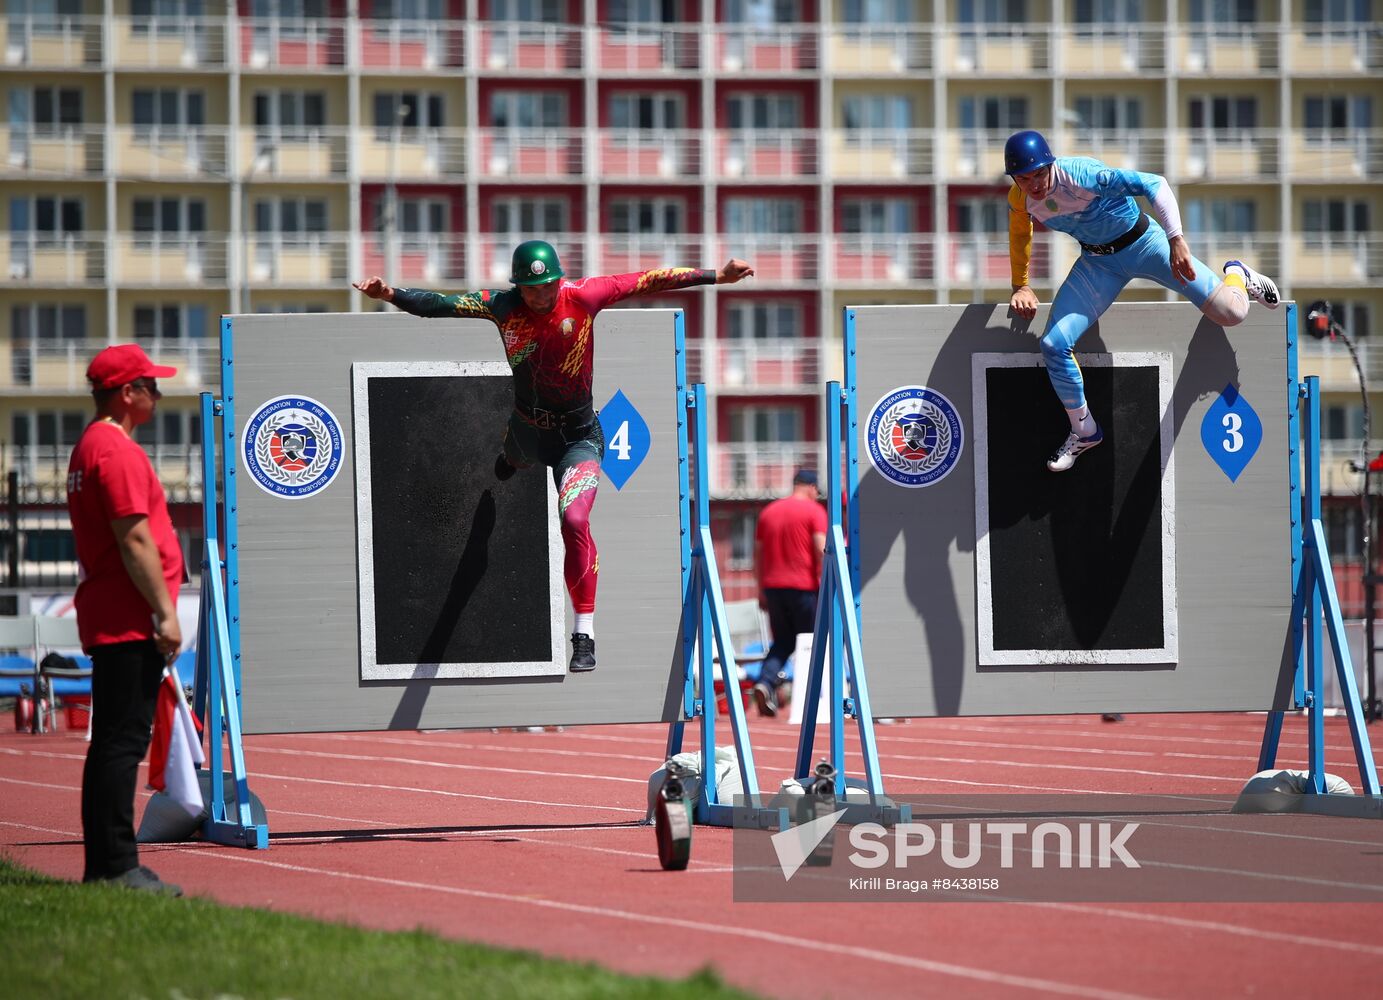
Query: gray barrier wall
x=1175, y=532
x=299, y=616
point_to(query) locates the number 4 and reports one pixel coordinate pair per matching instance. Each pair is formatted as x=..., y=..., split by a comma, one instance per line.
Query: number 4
x=619, y=443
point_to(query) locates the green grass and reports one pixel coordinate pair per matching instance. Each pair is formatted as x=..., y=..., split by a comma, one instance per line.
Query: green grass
x=62, y=939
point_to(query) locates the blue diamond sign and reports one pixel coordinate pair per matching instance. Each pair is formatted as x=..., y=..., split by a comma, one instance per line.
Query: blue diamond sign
x=1231, y=432
x=626, y=439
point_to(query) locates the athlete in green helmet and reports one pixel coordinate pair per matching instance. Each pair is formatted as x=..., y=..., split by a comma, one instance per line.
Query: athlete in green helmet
x=545, y=321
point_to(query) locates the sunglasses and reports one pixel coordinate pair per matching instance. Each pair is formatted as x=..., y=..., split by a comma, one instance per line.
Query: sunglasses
x=148, y=385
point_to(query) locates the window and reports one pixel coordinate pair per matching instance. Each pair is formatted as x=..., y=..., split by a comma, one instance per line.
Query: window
x=1335, y=215
x=171, y=15
x=740, y=528
x=877, y=111
x=1109, y=112
x=408, y=10
x=662, y=216
x=292, y=219
x=170, y=321
x=288, y=10
x=982, y=215
x=647, y=111
x=1006, y=114
x=528, y=11
x=48, y=326
x=1107, y=12
x=1224, y=114
x=290, y=109
x=996, y=12
x=1337, y=12
x=528, y=109
x=1213, y=12
x=873, y=12
x=763, y=215
x=1221, y=216
x=643, y=11
x=528, y=215
x=407, y=110
x=765, y=111
x=1354, y=315
x=47, y=428
x=766, y=424
x=170, y=218
x=49, y=16
x=53, y=107
x=174, y=430
x=1338, y=112
x=764, y=319
x=50, y=220
x=762, y=12
x=168, y=107
x=876, y=215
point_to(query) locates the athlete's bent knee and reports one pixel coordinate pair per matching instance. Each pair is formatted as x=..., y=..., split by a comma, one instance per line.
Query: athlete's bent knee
x=1226, y=306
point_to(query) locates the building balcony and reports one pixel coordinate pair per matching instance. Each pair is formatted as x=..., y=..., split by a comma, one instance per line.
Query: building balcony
x=299, y=260
x=648, y=154
x=980, y=260
x=1112, y=50
x=1331, y=361
x=301, y=153
x=52, y=152
x=53, y=260
x=644, y=49
x=523, y=48
x=1336, y=259
x=879, y=50
x=1227, y=50
x=997, y=50
x=171, y=260
x=779, y=155
x=177, y=152
x=881, y=154
x=531, y=154
x=168, y=42
x=883, y=260
x=787, y=260
x=774, y=50
x=1236, y=155
x=406, y=154
x=59, y=366
x=760, y=470
x=292, y=45
x=391, y=46
x=1262, y=251
x=1126, y=149
x=975, y=155
x=1344, y=50
x=43, y=478
x=52, y=41
x=756, y=366
x=624, y=253
x=425, y=259
x=1344, y=156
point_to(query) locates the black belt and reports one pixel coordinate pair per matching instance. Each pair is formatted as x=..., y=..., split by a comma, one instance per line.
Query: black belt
x=1105, y=249
x=553, y=420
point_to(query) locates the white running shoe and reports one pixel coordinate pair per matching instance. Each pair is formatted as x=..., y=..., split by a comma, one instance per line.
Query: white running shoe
x=1260, y=287
x=1072, y=448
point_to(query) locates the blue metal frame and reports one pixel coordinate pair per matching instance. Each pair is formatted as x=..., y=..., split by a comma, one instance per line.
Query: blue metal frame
x=217, y=685
x=704, y=620
x=1313, y=595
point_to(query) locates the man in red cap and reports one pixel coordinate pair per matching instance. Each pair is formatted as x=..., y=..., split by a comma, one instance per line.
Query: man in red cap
x=130, y=569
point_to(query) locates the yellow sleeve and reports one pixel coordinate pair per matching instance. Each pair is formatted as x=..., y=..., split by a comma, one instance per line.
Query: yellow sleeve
x=1019, y=236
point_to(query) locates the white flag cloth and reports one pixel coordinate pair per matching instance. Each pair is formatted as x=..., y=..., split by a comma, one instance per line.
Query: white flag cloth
x=176, y=747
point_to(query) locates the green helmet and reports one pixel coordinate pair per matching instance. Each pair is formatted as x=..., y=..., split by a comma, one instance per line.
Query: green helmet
x=535, y=263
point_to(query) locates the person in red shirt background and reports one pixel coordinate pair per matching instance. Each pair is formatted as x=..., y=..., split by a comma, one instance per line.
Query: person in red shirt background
x=130, y=569
x=788, y=544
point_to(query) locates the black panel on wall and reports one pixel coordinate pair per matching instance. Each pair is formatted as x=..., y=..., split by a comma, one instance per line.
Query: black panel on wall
x=460, y=559
x=1075, y=557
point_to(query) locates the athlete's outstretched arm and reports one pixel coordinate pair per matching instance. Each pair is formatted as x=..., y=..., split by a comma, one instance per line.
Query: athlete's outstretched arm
x=598, y=292
x=431, y=305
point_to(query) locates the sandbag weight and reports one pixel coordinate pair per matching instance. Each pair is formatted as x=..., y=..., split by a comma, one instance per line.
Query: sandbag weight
x=672, y=821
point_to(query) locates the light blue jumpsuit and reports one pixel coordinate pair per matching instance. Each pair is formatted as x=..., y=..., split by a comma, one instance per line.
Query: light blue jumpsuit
x=1094, y=203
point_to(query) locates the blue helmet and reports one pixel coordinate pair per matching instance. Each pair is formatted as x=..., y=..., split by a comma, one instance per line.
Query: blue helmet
x=1026, y=151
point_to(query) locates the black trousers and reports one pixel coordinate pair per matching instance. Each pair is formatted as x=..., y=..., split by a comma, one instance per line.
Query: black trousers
x=789, y=612
x=124, y=687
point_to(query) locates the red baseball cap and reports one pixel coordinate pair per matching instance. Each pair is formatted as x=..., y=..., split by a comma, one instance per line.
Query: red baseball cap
x=121, y=365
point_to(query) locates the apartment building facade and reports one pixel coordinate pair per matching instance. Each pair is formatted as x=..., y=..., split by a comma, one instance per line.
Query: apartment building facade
x=168, y=161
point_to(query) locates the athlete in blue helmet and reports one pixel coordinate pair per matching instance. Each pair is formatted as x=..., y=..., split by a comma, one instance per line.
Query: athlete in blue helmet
x=1095, y=203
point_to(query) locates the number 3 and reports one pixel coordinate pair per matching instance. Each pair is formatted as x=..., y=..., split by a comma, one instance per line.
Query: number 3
x=1233, y=440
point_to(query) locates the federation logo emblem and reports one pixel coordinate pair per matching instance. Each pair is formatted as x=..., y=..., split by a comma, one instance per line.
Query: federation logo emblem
x=292, y=447
x=915, y=436
x=537, y=267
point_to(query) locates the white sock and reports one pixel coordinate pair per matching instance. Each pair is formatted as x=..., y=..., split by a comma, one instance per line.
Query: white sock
x=1082, y=423
x=585, y=623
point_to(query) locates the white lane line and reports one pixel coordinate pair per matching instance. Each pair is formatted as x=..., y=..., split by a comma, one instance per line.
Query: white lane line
x=753, y=935
x=375, y=759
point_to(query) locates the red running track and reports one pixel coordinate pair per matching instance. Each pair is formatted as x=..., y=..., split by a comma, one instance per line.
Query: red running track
x=529, y=840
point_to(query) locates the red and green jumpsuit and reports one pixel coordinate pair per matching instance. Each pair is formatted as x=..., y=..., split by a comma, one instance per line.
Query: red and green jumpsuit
x=552, y=357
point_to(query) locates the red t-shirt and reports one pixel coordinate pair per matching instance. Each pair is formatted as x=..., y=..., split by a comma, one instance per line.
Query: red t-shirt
x=110, y=477
x=789, y=556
